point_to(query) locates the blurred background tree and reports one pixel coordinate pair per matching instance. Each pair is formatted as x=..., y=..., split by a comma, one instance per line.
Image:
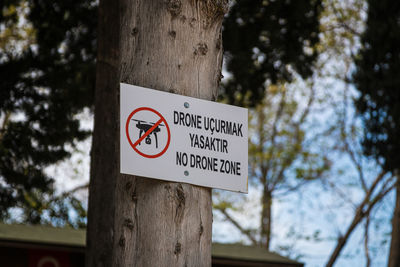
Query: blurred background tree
x=266, y=42
x=378, y=81
x=358, y=189
x=47, y=63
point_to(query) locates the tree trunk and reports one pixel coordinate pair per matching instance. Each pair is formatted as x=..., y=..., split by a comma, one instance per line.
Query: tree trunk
x=394, y=256
x=266, y=219
x=170, y=45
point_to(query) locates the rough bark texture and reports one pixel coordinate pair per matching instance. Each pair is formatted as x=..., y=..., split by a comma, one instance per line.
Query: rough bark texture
x=173, y=46
x=394, y=255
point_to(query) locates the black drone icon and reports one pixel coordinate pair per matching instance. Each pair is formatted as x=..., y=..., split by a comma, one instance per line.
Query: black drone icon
x=144, y=126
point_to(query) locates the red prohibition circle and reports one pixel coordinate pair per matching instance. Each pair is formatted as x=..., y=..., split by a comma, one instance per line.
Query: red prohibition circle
x=130, y=141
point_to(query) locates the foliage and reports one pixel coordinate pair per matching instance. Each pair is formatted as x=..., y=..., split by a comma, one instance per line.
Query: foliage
x=378, y=81
x=265, y=42
x=278, y=147
x=46, y=82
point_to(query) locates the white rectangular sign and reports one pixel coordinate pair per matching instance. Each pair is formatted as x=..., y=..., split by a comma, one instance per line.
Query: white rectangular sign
x=183, y=139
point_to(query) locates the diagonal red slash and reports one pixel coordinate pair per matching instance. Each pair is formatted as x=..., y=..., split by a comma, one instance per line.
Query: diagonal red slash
x=148, y=132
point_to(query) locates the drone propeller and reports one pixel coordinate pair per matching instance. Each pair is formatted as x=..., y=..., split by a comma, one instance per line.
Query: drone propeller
x=152, y=123
x=139, y=120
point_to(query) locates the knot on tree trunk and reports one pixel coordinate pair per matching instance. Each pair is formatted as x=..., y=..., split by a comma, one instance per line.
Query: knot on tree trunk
x=128, y=223
x=213, y=10
x=174, y=7
x=180, y=203
x=178, y=248
x=216, y=7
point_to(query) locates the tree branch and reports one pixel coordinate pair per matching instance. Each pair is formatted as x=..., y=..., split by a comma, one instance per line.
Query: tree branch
x=245, y=232
x=72, y=191
x=366, y=239
x=274, y=133
x=342, y=23
x=361, y=213
x=6, y=119
x=297, y=143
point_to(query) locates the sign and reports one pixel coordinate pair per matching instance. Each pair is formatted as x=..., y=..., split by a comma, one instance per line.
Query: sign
x=48, y=258
x=183, y=139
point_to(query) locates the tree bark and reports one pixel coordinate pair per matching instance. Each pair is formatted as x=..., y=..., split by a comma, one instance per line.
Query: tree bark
x=394, y=255
x=170, y=45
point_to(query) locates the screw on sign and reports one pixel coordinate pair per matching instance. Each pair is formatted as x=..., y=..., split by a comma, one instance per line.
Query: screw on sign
x=148, y=132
